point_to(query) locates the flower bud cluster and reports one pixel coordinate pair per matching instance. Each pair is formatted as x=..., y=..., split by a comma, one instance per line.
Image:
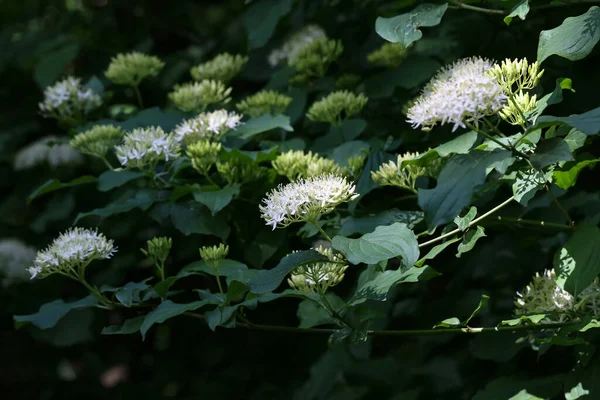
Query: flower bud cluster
x=207, y=126
x=295, y=164
x=132, y=68
x=389, y=55
x=317, y=277
x=398, y=173
x=224, y=67
x=196, y=96
x=214, y=255
x=305, y=199
x=145, y=147
x=313, y=60
x=98, y=140
x=68, y=100
x=295, y=43
x=241, y=170
x=336, y=107
x=71, y=252
x=204, y=154
x=158, y=249
x=518, y=106
x=264, y=102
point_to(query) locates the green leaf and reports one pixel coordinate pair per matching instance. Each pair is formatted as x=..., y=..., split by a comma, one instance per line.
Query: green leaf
x=519, y=10
x=448, y=323
x=112, y=179
x=463, y=222
x=50, y=313
x=567, y=176
x=404, y=28
x=527, y=183
x=142, y=199
x=216, y=200
x=551, y=151
x=469, y=241
x=130, y=294
x=582, y=381
x=129, y=326
x=483, y=303
x=588, y=122
x=51, y=66
x=365, y=184
x=350, y=130
x=534, y=319
x=514, y=388
x=229, y=269
x=551, y=98
x=312, y=314
x=574, y=39
x=262, y=124
x=54, y=184
x=378, y=287
x=196, y=218
x=166, y=310
x=413, y=72
x=386, y=242
x=345, y=151
x=221, y=317
x=577, y=263
x=262, y=18
x=269, y=280
x=575, y=139
x=154, y=116
x=235, y=292
x=435, y=251
x=456, y=184
x=368, y=223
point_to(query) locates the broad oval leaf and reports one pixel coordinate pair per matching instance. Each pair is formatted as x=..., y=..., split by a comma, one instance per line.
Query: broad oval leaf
x=262, y=124
x=167, y=309
x=50, y=313
x=112, y=179
x=384, y=243
x=404, y=28
x=54, y=184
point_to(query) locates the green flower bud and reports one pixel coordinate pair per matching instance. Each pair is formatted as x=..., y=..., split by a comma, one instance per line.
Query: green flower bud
x=398, y=174
x=347, y=81
x=214, y=255
x=264, y=102
x=520, y=104
x=317, y=277
x=196, y=96
x=355, y=165
x=204, y=154
x=313, y=60
x=516, y=75
x=132, y=68
x=323, y=166
x=98, y=140
x=389, y=55
x=240, y=170
x=223, y=67
x=336, y=107
x=158, y=249
x=295, y=164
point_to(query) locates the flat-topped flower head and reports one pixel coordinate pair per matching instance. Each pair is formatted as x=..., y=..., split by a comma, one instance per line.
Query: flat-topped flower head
x=196, y=96
x=306, y=199
x=71, y=252
x=207, y=126
x=224, y=67
x=98, y=140
x=317, y=277
x=145, y=147
x=15, y=258
x=50, y=150
x=132, y=68
x=68, y=100
x=543, y=295
x=460, y=93
x=295, y=43
x=336, y=107
x=264, y=102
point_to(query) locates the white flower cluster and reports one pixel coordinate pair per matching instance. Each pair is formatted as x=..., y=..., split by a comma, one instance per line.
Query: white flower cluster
x=68, y=98
x=543, y=295
x=460, y=93
x=144, y=147
x=71, y=252
x=15, y=257
x=49, y=150
x=207, y=125
x=306, y=199
x=295, y=43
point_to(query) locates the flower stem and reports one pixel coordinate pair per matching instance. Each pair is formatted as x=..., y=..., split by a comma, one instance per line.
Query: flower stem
x=493, y=139
x=476, y=220
x=541, y=224
x=460, y=4
x=108, y=164
x=218, y=278
x=316, y=224
x=138, y=95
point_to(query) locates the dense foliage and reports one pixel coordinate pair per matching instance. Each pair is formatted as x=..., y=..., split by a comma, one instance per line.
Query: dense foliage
x=281, y=199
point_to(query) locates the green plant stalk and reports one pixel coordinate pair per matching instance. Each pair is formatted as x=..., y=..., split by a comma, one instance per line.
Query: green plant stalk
x=558, y=205
x=138, y=95
x=460, y=4
x=218, y=278
x=493, y=139
x=334, y=313
x=316, y=224
x=403, y=332
x=542, y=224
x=476, y=220
x=108, y=164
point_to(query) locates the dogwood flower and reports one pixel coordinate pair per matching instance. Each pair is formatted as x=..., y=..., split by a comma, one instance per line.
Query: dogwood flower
x=144, y=147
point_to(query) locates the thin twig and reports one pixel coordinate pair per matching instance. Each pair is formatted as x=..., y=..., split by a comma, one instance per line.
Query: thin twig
x=460, y=4
x=541, y=224
x=558, y=205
